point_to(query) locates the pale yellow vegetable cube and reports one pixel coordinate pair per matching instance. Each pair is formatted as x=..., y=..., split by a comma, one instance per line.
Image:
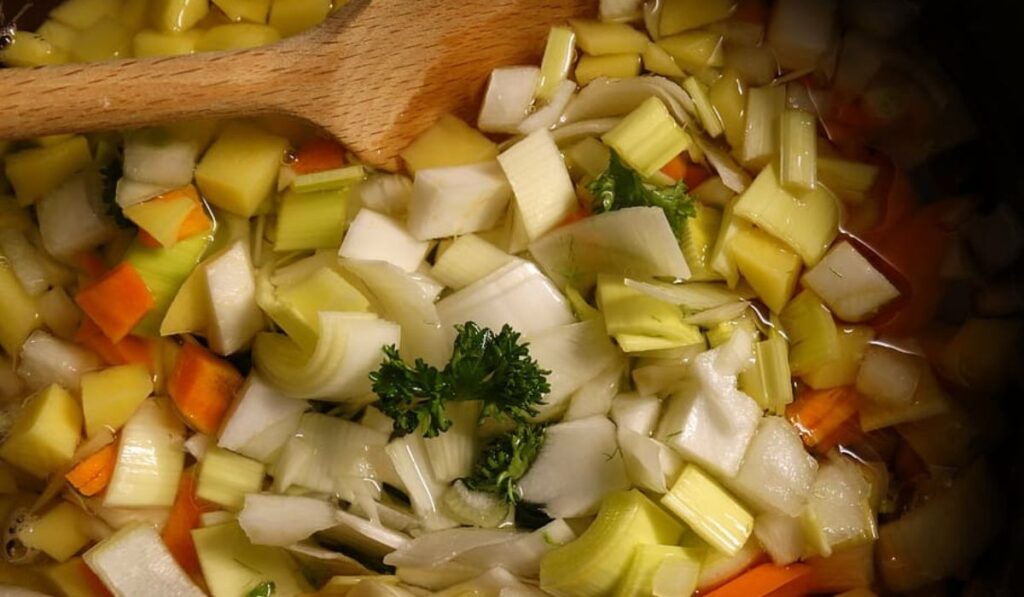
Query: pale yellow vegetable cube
x=600, y=39
x=82, y=14
x=162, y=219
x=254, y=11
x=58, y=34
x=694, y=50
x=58, y=533
x=450, y=142
x=660, y=62
x=148, y=43
x=240, y=169
x=729, y=98
x=37, y=171
x=617, y=66
x=46, y=433
x=225, y=477
x=294, y=16
x=237, y=36
x=178, y=15
x=73, y=578
x=189, y=313
x=20, y=314
x=29, y=49
x=769, y=267
x=134, y=14
x=680, y=15
x=111, y=396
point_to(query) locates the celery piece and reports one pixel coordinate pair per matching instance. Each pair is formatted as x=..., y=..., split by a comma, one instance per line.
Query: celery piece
x=842, y=371
x=175, y=16
x=595, y=563
x=838, y=512
x=661, y=571
x=233, y=566
x=767, y=265
x=694, y=50
x=812, y=332
x=164, y=271
x=705, y=111
x=239, y=170
x=224, y=478
x=544, y=195
x=697, y=238
x=640, y=322
x=58, y=34
x=107, y=39
x=769, y=381
x=556, y=63
x=45, y=433
x=150, y=458
x=21, y=315
x=849, y=284
x=798, y=148
x=468, y=259
x=600, y=39
x=255, y=11
x=729, y=101
x=709, y=510
x=311, y=220
x=450, y=142
x=295, y=16
x=236, y=36
x=648, y=137
x=329, y=180
x=807, y=223
x=149, y=43
x=587, y=159
x=35, y=172
x=849, y=180
x=660, y=62
x=30, y=49
x=681, y=15
x=82, y=14
x=721, y=259
x=761, y=131
x=616, y=66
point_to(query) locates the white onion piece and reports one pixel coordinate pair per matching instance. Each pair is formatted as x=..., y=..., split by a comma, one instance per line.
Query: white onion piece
x=364, y=536
x=26, y=261
x=781, y=536
x=635, y=412
x=508, y=98
x=132, y=192
x=408, y=455
x=650, y=464
x=260, y=421
x=375, y=237
x=45, y=360
x=197, y=444
x=70, y=218
x=889, y=376
x=595, y=397
x=235, y=316
x=522, y=555
x=604, y=97
x=847, y=282
x=282, y=520
x=574, y=354
x=439, y=547
x=568, y=133
x=777, y=471
x=548, y=116
x=385, y=193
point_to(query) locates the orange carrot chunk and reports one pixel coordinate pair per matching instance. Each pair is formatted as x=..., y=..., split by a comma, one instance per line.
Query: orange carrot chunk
x=185, y=516
x=318, y=154
x=824, y=417
x=129, y=351
x=768, y=580
x=675, y=168
x=117, y=301
x=91, y=264
x=92, y=475
x=203, y=386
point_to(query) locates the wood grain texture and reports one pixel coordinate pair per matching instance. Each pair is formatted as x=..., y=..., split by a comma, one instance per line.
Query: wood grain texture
x=375, y=75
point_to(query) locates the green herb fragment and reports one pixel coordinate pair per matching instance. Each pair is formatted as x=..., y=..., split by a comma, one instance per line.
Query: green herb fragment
x=505, y=460
x=109, y=175
x=620, y=187
x=495, y=369
x=264, y=589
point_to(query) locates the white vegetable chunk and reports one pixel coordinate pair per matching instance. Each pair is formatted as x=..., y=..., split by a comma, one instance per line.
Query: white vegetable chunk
x=135, y=561
x=777, y=472
x=160, y=160
x=801, y=31
x=46, y=360
x=508, y=98
x=260, y=421
x=636, y=412
x=133, y=192
x=847, y=282
x=376, y=237
x=781, y=536
x=384, y=193
x=889, y=376
x=70, y=219
x=282, y=520
x=232, y=287
x=540, y=181
x=547, y=117
x=650, y=464
x=579, y=464
x=457, y=200
x=574, y=354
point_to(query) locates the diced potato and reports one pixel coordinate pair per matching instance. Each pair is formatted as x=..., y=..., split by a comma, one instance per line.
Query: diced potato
x=225, y=478
x=236, y=36
x=161, y=219
x=231, y=562
x=20, y=314
x=106, y=40
x=134, y=14
x=600, y=39
x=239, y=171
x=694, y=50
x=660, y=62
x=178, y=15
x=294, y=16
x=450, y=142
x=37, y=171
x=73, y=578
x=58, y=34
x=190, y=310
x=149, y=43
x=616, y=66
x=58, y=533
x=45, y=434
x=82, y=14
x=29, y=49
x=680, y=15
x=255, y=11
x=767, y=265
x=110, y=397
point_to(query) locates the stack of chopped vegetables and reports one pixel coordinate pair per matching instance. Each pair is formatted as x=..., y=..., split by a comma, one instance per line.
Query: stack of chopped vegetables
x=670, y=319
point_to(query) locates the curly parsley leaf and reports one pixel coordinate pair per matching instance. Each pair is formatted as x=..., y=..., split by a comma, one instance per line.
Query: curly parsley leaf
x=413, y=396
x=505, y=460
x=620, y=187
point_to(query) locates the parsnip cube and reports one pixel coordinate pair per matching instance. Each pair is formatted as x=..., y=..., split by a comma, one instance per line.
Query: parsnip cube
x=240, y=170
x=294, y=16
x=58, y=533
x=46, y=433
x=178, y=15
x=110, y=397
x=37, y=171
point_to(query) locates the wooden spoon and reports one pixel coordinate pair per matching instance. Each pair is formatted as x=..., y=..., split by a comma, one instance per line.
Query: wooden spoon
x=375, y=75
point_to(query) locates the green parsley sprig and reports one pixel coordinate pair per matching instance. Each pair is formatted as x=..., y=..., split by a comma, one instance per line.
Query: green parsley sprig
x=620, y=187
x=505, y=460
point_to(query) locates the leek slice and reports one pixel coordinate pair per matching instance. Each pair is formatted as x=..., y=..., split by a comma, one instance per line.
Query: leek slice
x=311, y=220
x=708, y=115
x=329, y=180
x=849, y=284
x=135, y=561
x=640, y=322
x=554, y=66
x=543, y=190
x=777, y=471
x=761, y=133
x=224, y=478
x=475, y=508
x=618, y=66
x=661, y=571
x=510, y=93
x=348, y=349
x=709, y=510
x=648, y=137
x=697, y=239
x=408, y=455
x=150, y=458
x=605, y=98
x=453, y=452
x=812, y=332
x=798, y=140
x=467, y=260
x=548, y=116
x=851, y=181
x=769, y=381
x=594, y=563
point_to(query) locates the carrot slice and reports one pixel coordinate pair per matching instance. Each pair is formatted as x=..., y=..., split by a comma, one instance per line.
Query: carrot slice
x=117, y=301
x=185, y=516
x=824, y=417
x=130, y=350
x=319, y=154
x=675, y=168
x=91, y=263
x=768, y=580
x=93, y=474
x=203, y=386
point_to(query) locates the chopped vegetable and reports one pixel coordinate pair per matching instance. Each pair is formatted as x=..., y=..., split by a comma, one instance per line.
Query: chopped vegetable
x=58, y=533
x=619, y=66
x=694, y=50
x=505, y=460
x=150, y=458
x=239, y=171
x=457, y=200
x=328, y=180
x=202, y=387
x=231, y=562
x=639, y=322
x=648, y=137
x=823, y=417
x=661, y=570
x=769, y=381
x=311, y=220
x=450, y=142
x=110, y=397
x=45, y=433
x=813, y=336
x=117, y=302
x=224, y=478
x=559, y=53
x=799, y=150
x=21, y=315
x=766, y=264
x=92, y=475
x=510, y=92
x=601, y=38
x=543, y=191
x=318, y=154
x=37, y=171
x=709, y=510
x=620, y=187
x=681, y=15
x=849, y=284
x=768, y=580
x=135, y=561
x=777, y=472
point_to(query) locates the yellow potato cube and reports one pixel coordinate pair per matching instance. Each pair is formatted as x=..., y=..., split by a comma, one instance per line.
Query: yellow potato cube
x=82, y=14
x=161, y=219
x=134, y=14
x=694, y=50
x=20, y=315
x=106, y=40
x=294, y=16
x=246, y=10
x=111, y=396
x=450, y=142
x=37, y=171
x=680, y=15
x=178, y=15
x=148, y=43
x=29, y=49
x=189, y=312
x=72, y=577
x=58, y=34
x=768, y=265
x=240, y=169
x=46, y=433
x=237, y=36
x=58, y=533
